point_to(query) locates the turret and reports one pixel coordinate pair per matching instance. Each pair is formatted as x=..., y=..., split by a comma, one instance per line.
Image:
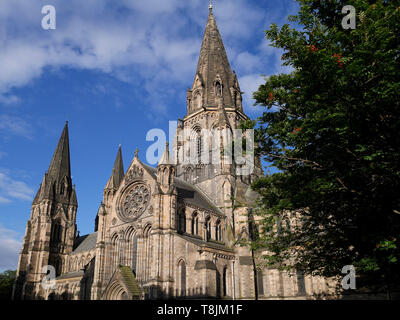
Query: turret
x=166, y=172
x=115, y=180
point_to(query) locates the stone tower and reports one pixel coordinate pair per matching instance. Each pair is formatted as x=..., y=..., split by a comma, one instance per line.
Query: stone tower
x=50, y=231
x=214, y=111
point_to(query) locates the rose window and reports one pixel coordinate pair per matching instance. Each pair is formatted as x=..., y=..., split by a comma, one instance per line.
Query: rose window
x=135, y=202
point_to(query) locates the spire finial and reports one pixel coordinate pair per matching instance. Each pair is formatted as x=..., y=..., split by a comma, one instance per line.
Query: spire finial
x=136, y=152
x=210, y=6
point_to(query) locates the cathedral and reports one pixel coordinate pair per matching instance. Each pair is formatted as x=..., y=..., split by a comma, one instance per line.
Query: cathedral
x=170, y=232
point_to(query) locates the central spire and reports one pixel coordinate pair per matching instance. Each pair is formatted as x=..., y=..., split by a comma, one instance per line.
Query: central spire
x=214, y=78
x=60, y=165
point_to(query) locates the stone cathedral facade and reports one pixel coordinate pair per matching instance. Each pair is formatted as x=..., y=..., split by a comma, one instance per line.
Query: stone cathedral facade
x=160, y=233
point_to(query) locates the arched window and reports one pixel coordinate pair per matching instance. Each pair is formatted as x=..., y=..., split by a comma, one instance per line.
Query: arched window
x=199, y=144
x=165, y=177
x=224, y=282
x=59, y=232
x=188, y=174
x=58, y=266
x=181, y=221
x=82, y=263
x=148, y=253
x=56, y=232
x=70, y=264
x=114, y=253
x=134, y=254
x=195, y=224
x=218, y=231
x=182, y=278
x=218, y=89
x=197, y=101
x=208, y=228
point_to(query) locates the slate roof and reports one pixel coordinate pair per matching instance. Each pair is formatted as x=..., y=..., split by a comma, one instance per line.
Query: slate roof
x=188, y=192
x=85, y=243
x=130, y=280
x=191, y=194
x=69, y=275
x=210, y=244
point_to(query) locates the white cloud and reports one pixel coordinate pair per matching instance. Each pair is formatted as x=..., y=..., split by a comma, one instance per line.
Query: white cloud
x=249, y=84
x=247, y=62
x=10, y=246
x=15, y=125
x=11, y=189
x=150, y=36
x=4, y=200
x=9, y=99
x=152, y=44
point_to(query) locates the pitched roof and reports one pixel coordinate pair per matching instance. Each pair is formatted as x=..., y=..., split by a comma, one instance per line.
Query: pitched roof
x=74, y=274
x=85, y=243
x=193, y=195
x=130, y=280
x=209, y=244
x=188, y=192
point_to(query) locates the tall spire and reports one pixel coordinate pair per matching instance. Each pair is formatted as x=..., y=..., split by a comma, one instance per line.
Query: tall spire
x=214, y=76
x=60, y=165
x=57, y=182
x=117, y=172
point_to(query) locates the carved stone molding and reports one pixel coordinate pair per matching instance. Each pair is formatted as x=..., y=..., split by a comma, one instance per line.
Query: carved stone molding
x=133, y=174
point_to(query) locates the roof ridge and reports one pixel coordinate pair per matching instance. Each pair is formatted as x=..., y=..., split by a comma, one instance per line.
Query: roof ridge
x=197, y=188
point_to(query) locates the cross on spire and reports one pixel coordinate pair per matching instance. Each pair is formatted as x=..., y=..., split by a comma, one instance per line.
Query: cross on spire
x=210, y=5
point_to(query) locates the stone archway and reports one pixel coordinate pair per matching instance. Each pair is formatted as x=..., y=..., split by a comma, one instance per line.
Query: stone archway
x=116, y=292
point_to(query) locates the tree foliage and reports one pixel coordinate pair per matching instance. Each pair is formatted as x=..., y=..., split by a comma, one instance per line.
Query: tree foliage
x=7, y=279
x=331, y=128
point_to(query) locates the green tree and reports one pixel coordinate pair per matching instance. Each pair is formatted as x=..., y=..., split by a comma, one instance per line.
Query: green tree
x=331, y=128
x=7, y=279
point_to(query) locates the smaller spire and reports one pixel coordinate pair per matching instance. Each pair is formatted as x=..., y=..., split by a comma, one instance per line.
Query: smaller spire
x=137, y=153
x=165, y=159
x=73, y=200
x=117, y=172
x=222, y=116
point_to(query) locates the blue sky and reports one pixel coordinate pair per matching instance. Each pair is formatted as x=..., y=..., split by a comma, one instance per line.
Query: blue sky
x=114, y=70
